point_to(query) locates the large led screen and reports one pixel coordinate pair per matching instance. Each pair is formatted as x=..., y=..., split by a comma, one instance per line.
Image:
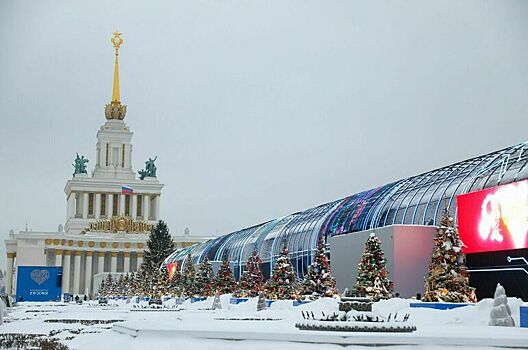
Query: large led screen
x=495, y=218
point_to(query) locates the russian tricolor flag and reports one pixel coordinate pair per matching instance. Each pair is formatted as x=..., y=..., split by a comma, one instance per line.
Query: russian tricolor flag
x=126, y=189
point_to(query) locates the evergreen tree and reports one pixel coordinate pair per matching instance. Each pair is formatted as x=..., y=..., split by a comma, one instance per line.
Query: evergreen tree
x=372, y=279
x=102, y=288
x=189, y=287
x=318, y=282
x=225, y=281
x=163, y=281
x=124, y=291
x=155, y=290
x=175, y=282
x=142, y=283
x=283, y=282
x=204, y=279
x=251, y=282
x=447, y=278
x=150, y=283
x=160, y=246
x=120, y=286
x=108, y=286
x=130, y=284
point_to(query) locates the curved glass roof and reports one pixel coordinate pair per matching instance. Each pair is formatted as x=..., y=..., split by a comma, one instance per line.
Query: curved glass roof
x=417, y=200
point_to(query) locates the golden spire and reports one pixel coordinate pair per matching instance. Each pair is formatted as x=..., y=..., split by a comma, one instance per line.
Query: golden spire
x=115, y=110
x=117, y=41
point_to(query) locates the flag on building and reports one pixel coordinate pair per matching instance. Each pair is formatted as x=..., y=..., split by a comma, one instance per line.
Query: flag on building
x=126, y=190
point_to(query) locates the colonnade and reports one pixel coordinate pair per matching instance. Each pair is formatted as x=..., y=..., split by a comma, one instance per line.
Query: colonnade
x=63, y=258
x=149, y=205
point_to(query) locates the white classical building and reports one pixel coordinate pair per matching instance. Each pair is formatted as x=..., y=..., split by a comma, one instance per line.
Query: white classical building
x=109, y=215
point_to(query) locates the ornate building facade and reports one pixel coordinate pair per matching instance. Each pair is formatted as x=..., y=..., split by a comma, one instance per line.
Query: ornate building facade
x=109, y=214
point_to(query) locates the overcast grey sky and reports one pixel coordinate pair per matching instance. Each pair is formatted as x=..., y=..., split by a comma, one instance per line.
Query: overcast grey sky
x=256, y=109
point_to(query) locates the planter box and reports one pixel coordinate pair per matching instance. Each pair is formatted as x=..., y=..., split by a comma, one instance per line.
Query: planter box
x=439, y=306
x=195, y=300
x=524, y=316
x=301, y=302
x=236, y=301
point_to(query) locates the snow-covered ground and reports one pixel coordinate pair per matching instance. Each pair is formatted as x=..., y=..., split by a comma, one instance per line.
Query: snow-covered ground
x=198, y=327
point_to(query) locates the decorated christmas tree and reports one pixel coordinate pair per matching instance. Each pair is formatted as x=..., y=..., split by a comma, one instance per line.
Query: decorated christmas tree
x=283, y=282
x=126, y=285
x=102, y=289
x=205, y=279
x=120, y=286
x=447, y=278
x=225, y=281
x=372, y=279
x=138, y=283
x=252, y=280
x=130, y=284
x=160, y=246
x=108, y=286
x=175, y=281
x=318, y=282
x=188, y=285
x=163, y=282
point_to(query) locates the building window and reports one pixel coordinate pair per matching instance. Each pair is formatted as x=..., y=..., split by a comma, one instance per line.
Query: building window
x=115, y=156
x=78, y=206
x=91, y=204
x=152, y=208
x=115, y=204
x=103, y=205
x=139, y=205
x=123, y=156
x=127, y=205
x=107, y=151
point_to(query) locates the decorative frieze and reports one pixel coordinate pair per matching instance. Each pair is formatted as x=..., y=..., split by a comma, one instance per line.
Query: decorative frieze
x=120, y=224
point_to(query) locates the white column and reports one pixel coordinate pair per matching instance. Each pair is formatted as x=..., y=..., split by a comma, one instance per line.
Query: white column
x=133, y=207
x=121, y=204
x=157, y=207
x=9, y=277
x=139, y=259
x=88, y=273
x=71, y=205
x=76, y=272
x=126, y=265
x=58, y=257
x=97, y=205
x=109, y=205
x=100, y=261
x=66, y=272
x=113, y=262
x=146, y=204
x=85, y=206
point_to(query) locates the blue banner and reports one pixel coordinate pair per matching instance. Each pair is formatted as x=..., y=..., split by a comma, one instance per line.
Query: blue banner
x=39, y=283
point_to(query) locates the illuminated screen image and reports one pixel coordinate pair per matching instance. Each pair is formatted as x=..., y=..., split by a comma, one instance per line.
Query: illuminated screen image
x=494, y=219
x=172, y=267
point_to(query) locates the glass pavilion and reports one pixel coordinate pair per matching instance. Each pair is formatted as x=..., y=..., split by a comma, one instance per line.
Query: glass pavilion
x=418, y=200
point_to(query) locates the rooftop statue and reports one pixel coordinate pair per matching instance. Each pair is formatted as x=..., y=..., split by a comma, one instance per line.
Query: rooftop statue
x=80, y=165
x=150, y=169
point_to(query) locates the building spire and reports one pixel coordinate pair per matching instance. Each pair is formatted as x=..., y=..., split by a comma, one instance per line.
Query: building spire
x=115, y=110
x=117, y=41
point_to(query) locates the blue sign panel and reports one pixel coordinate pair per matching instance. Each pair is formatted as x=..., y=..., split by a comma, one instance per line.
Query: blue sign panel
x=39, y=283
